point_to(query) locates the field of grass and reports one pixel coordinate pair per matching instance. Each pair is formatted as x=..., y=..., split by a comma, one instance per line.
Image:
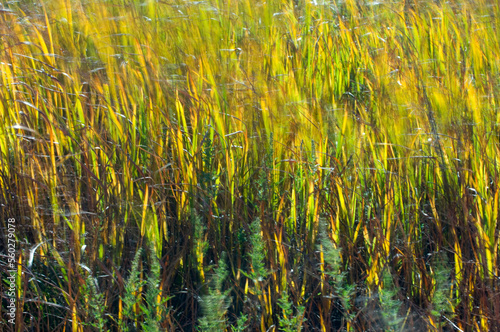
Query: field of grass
x=227, y=165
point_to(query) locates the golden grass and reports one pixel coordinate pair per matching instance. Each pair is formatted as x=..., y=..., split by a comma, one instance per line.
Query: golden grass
x=125, y=121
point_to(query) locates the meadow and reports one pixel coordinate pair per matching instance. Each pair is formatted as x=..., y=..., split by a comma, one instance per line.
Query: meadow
x=227, y=165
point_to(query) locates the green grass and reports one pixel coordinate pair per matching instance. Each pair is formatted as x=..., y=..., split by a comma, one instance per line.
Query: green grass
x=176, y=125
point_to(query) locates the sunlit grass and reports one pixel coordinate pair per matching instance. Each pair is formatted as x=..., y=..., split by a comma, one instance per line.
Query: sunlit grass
x=180, y=123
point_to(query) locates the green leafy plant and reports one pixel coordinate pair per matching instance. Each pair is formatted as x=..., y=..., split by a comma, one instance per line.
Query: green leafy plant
x=442, y=301
x=257, y=255
x=389, y=303
x=132, y=294
x=96, y=306
x=333, y=260
x=214, y=304
x=241, y=324
x=291, y=320
x=154, y=308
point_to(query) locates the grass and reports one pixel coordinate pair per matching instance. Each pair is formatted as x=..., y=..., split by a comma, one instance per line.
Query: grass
x=240, y=127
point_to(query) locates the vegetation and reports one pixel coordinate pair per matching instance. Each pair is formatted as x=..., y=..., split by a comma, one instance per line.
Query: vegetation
x=251, y=165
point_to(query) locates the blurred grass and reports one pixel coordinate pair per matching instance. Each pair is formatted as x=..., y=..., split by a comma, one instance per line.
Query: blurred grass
x=180, y=123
